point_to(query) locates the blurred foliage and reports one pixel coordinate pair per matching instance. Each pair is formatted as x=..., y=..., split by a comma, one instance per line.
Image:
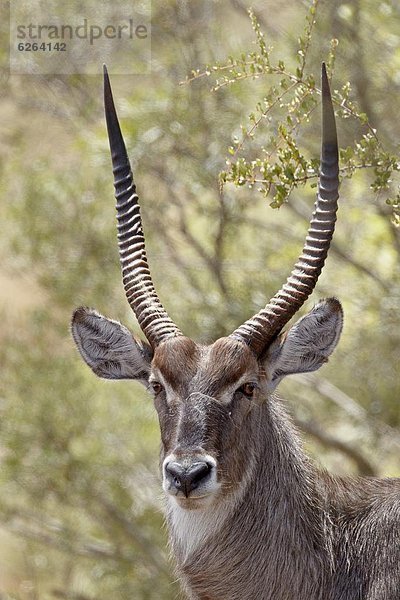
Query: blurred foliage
x=80, y=498
x=280, y=165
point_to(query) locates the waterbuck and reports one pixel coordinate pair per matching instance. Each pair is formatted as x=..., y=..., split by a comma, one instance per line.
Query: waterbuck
x=249, y=515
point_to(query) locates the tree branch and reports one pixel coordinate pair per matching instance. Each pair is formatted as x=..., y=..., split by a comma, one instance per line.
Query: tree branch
x=348, y=404
x=364, y=466
x=129, y=527
x=336, y=249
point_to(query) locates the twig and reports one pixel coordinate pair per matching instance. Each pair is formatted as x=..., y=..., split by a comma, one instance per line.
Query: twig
x=137, y=536
x=301, y=212
x=348, y=404
x=364, y=466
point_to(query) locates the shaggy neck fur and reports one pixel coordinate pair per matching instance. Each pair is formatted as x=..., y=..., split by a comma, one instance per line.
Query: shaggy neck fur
x=291, y=532
x=272, y=529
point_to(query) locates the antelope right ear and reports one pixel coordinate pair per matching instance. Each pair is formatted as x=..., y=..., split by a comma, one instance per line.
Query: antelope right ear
x=109, y=348
x=306, y=346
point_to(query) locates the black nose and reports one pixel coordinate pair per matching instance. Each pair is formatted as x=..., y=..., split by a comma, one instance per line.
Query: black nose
x=187, y=479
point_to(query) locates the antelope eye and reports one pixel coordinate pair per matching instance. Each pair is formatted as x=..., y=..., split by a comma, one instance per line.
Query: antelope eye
x=156, y=387
x=248, y=389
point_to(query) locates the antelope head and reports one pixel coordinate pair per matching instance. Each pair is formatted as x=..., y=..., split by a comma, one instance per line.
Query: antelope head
x=208, y=397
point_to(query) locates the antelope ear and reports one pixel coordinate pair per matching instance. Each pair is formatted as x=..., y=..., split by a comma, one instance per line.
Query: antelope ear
x=109, y=348
x=308, y=344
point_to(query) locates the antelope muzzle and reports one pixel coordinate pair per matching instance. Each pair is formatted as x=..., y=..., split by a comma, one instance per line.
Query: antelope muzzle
x=190, y=477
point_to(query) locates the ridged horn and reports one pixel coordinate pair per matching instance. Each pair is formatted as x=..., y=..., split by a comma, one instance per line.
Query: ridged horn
x=260, y=330
x=139, y=289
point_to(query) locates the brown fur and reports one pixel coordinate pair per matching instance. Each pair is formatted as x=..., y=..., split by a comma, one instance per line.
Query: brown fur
x=177, y=360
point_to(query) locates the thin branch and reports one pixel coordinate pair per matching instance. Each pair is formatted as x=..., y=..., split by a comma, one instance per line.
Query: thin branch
x=349, y=405
x=250, y=132
x=394, y=231
x=267, y=24
x=88, y=550
x=201, y=251
x=220, y=237
x=129, y=527
x=66, y=541
x=335, y=247
x=308, y=34
x=184, y=267
x=364, y=466
x=211, y=261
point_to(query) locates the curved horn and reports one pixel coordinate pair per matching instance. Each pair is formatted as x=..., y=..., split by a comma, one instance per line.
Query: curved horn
x=261, y=329
x=142, y=297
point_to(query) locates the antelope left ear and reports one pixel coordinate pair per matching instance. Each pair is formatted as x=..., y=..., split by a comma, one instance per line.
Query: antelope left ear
x=308, y=344
x=109, y=348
